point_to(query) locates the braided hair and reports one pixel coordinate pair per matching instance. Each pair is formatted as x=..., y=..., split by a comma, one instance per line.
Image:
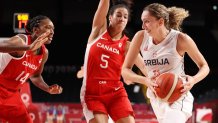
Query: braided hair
x=34, y=22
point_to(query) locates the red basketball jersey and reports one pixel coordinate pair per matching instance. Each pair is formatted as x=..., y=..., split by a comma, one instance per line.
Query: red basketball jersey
x=103, y=61
x=105, y=58
x=15, y=71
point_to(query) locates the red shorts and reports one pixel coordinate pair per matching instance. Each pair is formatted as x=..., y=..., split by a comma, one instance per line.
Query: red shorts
x=12, y=108
x=115, y=103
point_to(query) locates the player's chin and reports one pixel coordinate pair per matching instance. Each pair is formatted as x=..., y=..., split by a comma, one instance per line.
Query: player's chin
x=48, y=41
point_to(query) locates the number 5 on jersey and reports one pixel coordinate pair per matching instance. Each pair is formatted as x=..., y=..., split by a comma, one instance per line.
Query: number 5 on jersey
x=104, y=59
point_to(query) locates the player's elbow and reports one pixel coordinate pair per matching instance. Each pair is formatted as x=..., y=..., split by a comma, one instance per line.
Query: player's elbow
x=128, y=82
x=124, y=74
x=207, y=69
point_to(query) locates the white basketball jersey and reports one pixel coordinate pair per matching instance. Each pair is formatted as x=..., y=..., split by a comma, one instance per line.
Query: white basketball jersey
x=162, y=57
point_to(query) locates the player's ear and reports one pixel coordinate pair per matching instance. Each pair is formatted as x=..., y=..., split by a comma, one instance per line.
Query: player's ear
x=36, y=30
x=161, y=21
x=110, y=17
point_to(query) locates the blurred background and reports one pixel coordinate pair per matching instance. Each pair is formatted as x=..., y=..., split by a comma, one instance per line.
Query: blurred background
x=73, y=19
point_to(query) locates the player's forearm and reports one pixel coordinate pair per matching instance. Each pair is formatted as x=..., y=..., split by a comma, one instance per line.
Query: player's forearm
x=141, y=65
x=202, y=73
x=40, y=83
x=130, y=77
x=5, y=47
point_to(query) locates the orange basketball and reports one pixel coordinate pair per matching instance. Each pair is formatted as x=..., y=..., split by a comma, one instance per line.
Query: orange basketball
x=169, y=87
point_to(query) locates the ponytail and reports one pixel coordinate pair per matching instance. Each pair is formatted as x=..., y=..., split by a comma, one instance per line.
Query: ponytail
x=176, y=17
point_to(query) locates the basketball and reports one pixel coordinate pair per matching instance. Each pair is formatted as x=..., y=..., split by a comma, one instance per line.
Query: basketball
x=169, y=87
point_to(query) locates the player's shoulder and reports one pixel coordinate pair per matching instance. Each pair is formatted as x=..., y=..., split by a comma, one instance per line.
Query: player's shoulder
x=183, y=37
x=141, y=34
x=22, y=36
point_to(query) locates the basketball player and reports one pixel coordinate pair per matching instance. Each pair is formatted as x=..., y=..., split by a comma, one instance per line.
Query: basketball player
x=102, y=92
x=23, y=57
x=163, y=47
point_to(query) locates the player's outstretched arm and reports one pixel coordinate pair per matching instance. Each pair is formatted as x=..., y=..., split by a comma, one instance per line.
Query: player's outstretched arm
x=38, y=80
x=18, y=43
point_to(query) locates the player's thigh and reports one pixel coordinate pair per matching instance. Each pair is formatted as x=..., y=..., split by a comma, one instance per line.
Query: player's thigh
x=13, y=108
x=128, y=119
x=90, y=109
x=99, y=118
x=95, y=105
x=120, y=108
x=175, y=116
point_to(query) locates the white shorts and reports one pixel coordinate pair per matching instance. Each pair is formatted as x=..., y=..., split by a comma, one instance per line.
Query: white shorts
x=160, y=108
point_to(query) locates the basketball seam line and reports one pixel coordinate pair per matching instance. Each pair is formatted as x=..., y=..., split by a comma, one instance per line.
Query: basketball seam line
x=172, y=89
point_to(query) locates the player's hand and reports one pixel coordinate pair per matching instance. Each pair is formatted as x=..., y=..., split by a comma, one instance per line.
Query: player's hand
x=80, y=73
x=39, y=41
x=55, y=89
x=150, y=83
x=188, y=85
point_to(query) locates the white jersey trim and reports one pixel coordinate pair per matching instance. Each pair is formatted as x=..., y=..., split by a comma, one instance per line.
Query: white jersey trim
x=6, y=57
x=26, y=42
x=88, y=114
